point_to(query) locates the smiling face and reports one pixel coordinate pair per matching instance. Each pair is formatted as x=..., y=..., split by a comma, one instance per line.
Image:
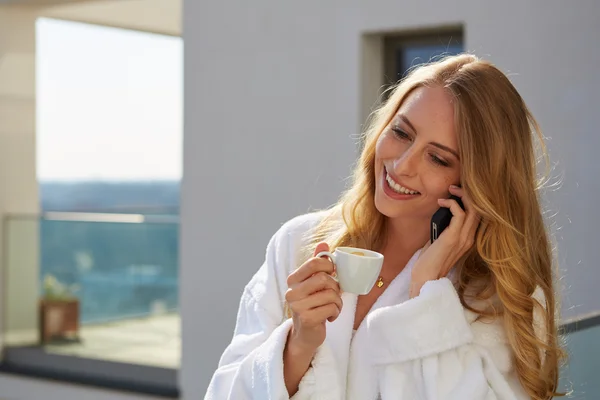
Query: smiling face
x=416, y=156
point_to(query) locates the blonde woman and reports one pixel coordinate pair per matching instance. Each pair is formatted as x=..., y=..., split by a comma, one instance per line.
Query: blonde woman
x=471, y=316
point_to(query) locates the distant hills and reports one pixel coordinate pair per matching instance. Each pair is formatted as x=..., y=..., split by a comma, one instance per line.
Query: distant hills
x=136, y=197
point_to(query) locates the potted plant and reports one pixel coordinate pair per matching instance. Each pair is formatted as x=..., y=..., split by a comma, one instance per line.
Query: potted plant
x=58, y=312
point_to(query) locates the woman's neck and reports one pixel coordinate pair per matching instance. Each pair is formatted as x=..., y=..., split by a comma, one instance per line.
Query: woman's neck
x=404, y=237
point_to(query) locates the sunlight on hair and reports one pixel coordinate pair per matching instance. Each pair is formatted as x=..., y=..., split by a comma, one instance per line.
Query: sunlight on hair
x=501, y=147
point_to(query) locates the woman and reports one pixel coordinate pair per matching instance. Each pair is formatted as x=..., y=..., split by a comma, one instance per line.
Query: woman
x=470, y=316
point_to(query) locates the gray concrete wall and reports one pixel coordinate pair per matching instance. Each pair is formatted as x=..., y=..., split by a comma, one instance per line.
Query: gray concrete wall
x=274, y=96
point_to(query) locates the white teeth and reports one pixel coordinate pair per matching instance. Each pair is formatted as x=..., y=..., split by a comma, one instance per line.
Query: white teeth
x=397, y=188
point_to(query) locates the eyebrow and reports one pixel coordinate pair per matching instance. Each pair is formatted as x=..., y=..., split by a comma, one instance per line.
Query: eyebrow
x=448, y=149
x=407, y=122
x=436, y=144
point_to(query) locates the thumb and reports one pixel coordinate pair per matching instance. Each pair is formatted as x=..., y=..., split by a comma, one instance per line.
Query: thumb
x=427, y=245
x=321, y=247
x=424, y=248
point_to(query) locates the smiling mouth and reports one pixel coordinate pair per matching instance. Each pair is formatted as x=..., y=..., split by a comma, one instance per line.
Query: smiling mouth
x=396, y=187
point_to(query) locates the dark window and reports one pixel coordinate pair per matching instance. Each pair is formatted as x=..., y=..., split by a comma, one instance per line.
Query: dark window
x=403, y=52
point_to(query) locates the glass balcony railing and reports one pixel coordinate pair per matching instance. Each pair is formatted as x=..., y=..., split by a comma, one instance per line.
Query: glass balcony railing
x=105, y=287
x=580, y=375
x=99, y=286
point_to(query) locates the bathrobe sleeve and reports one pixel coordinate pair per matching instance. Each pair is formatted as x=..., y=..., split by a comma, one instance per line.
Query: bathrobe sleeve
x=251, y=367
x=437, y=350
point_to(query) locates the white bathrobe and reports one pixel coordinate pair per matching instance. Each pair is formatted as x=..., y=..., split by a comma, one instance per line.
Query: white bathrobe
x=428, y=347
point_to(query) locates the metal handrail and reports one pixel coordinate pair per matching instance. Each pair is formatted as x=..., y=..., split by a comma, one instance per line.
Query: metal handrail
x=580, y=322
x=97, y=217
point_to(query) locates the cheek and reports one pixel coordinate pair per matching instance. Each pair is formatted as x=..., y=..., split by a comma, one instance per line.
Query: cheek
x=380, y=147
x=388, y=147
x=438, y=184
x=448, y=180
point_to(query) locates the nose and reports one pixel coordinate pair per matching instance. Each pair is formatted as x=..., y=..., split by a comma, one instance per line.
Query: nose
x=407, y=163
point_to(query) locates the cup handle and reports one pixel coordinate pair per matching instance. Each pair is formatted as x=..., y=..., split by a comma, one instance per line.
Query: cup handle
x=331, y=257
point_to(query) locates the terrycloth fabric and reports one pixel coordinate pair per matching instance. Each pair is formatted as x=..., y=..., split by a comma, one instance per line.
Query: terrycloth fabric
x=428, y=347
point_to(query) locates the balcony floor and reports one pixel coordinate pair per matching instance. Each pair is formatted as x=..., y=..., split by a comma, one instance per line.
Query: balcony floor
x=153, y=341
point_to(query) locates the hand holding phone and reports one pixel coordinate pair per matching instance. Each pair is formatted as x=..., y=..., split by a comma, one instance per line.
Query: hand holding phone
x=441, y=219
x=437, y=259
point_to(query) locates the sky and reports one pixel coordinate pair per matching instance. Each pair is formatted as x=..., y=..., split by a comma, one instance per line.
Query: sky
x=109, y=103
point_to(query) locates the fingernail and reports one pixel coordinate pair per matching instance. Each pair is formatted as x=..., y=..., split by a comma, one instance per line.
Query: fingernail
x=453, y=187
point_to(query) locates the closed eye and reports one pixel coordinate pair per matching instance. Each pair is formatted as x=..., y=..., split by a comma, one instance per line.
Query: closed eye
x=400, y=134
x=436, y=160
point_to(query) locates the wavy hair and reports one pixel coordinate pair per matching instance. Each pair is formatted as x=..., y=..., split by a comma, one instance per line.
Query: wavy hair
x=512, y=257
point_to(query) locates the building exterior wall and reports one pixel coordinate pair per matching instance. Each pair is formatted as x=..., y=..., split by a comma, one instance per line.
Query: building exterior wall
x=18, y=183
x=275, y=95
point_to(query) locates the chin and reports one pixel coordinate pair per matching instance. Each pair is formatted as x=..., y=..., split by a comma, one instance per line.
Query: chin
x=388, y=207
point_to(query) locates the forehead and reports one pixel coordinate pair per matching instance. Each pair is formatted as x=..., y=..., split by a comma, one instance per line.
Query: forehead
x=431, y=111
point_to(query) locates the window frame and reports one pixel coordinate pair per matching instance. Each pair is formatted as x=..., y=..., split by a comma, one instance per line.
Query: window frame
x=399, y=42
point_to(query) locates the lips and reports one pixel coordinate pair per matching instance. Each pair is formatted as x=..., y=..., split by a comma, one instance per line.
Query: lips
x=397, y=187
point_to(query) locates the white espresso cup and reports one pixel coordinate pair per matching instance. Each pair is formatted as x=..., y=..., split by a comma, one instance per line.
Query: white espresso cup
x=357, y=269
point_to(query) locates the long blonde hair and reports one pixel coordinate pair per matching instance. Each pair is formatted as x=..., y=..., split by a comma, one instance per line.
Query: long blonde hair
x=513, y=252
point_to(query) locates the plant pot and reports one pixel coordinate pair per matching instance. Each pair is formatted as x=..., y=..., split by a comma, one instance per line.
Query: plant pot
x=59, y=320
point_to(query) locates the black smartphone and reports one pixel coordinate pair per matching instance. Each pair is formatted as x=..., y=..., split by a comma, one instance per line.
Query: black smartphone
x=441, y=219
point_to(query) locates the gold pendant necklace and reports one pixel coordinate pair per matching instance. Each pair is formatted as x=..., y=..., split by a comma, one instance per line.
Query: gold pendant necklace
x=380, y=282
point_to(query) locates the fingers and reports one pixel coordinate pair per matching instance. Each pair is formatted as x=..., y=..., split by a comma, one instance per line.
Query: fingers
x=322, y=298
x=470, y=228
x=313, y=294
x=320, y=247
x=318, y=282
x=458, y=214
x=311, y=267
x=427, y=245
x=460, y=192
x=318, y=315
x=464, y=222
x=470, y=210
x=317, y=298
